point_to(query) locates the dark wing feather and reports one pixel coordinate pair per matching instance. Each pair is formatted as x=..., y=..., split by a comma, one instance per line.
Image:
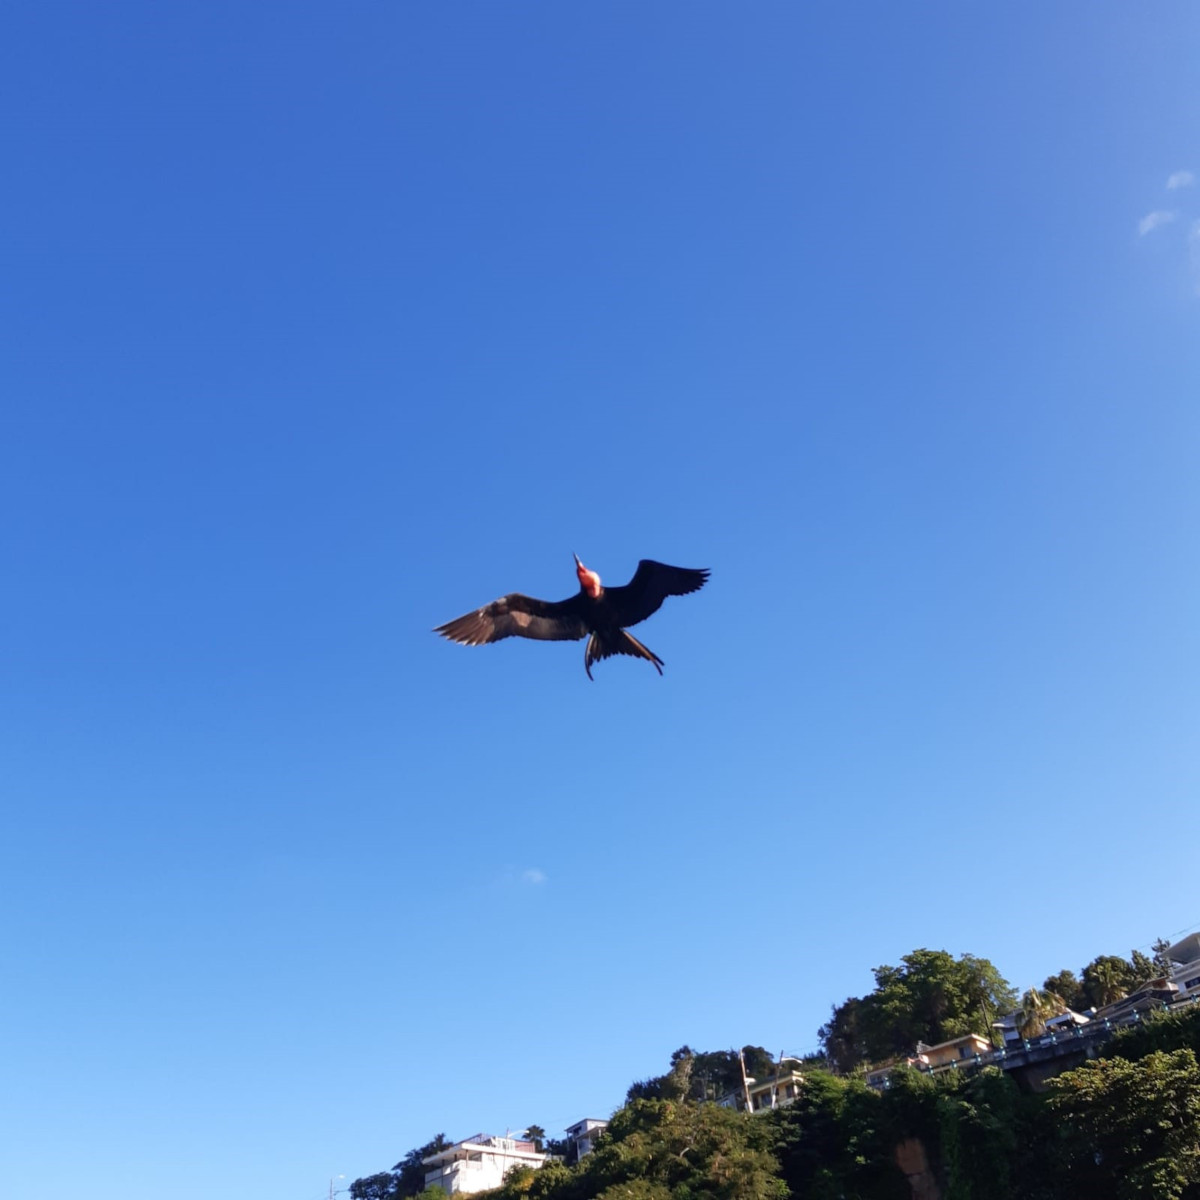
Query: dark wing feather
x=518, y=616
x=651, y=584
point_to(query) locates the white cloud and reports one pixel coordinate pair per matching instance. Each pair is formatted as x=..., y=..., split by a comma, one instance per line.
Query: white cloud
x=1153, y=220
x=1180, y=179
x=533, y=876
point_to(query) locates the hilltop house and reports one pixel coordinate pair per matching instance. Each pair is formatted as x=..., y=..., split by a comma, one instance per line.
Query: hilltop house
x=1147, y=997
x=945, y=1056
x=773, y=1092
x=954, y=1053
x=583, y=1135
x=1064, y=1022
x=1185, y=961
x=479, y=1163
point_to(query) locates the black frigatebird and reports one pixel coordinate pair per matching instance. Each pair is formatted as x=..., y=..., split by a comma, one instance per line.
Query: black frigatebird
x=603, y=613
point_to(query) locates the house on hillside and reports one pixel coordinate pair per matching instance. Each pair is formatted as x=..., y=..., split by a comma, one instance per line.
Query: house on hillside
x=1185, y=961
x=958, y=1052
x=583, y=1135
x=479, y=1163
x=1149, y=997
x=1065, y=1022
x=968, y=1051
x=773, y=1092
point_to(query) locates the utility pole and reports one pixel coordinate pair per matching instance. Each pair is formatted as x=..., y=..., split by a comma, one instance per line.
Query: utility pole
x=775, y=1081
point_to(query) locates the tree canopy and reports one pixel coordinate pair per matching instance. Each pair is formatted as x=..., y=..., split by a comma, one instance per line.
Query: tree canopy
x=1132, y=1129
x=704, y=1075
x=406, y=1178
x=664, y=1150
x=930, y=997
x=1066, y=984
x=1036, y=1008
x=1106, y=978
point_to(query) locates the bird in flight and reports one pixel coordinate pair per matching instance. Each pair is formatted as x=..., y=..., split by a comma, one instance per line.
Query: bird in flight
x=598, y=613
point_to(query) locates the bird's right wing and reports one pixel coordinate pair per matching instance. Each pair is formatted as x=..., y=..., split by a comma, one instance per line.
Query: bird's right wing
x=518, y=616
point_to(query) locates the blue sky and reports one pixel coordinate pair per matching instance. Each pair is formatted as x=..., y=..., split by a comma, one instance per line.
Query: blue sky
x=322, y=324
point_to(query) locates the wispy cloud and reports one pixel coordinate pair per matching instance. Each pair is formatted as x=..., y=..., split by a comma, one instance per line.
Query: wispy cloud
x=1153, y=220
x=1180, y=179
x=512, y=877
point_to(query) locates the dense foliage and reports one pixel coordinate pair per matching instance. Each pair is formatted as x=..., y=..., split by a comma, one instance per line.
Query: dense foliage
x=930, y=997
x=1163, y=1031
x=406, y=1178
x=704, y=1075
x=1118, y=1128
x=660, y=1149
x=1108, y=977
x=1130, y=1129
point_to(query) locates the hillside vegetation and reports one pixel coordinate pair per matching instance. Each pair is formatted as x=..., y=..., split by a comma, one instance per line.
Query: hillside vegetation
x=1120, y=1127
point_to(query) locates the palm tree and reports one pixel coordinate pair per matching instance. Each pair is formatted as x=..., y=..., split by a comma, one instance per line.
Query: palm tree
x=1108, y=983
x=1035, y=1008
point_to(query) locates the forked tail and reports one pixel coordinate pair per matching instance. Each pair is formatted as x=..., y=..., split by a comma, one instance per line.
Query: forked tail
x=604, y=645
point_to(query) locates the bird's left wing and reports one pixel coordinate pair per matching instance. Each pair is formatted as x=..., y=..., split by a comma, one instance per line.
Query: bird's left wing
x=518, y=616
x=651, y=584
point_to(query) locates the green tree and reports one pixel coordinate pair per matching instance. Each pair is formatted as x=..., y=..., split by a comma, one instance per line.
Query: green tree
x=1066, y=984
x=411, y=1168
x=930, y=997
x=1142, y=969
x=1162, y=956
x=1105, y=979
x=1036, y=1008
x=563, y=1148
x=1178, y=1030
x=703, y=1075
x=381, y=1186
x=537, y=1135
x=979, y=1137
x=555, y=1181
x=843, y=1037
x=835, y=1141
x=715, y=1073
x=985, y=991
x=406, y=1178
x=646, y=1089
x=678, y=1084
x=656, y=1149
x=1132, y=1129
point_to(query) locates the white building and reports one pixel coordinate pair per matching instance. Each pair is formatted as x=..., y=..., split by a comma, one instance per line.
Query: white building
x=1185, y=959
x=1061, y=1023
x=479, y=1163
x=583, y=1135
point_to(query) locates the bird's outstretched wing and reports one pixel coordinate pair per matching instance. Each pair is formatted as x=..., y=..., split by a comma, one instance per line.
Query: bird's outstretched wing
x=518, y=616
x=651, y=584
